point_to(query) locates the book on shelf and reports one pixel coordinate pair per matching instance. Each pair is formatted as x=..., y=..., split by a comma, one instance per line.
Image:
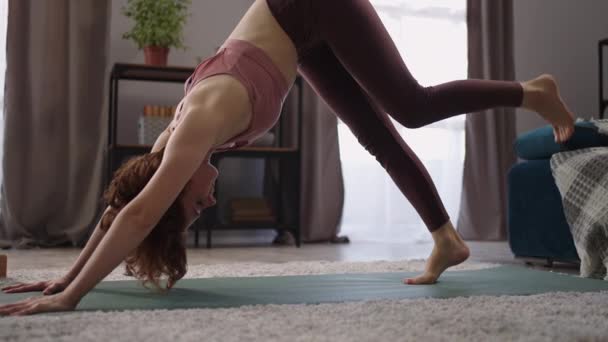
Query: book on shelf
x=251, y=210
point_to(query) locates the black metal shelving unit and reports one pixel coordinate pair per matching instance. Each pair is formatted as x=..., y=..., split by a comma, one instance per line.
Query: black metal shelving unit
x=209, y=220
x=292, y=156
x=602, y=44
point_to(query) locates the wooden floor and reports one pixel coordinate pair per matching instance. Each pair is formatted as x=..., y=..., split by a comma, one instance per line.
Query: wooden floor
x=494, y=252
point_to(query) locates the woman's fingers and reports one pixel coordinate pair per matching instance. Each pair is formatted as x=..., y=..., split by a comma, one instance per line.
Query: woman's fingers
x=35, y=305
x=26, y=288
x=14, y=310
x=31, y=308
x=51, y=289
x=12, y=286
x=8, y=309
x=11, y=308
x=20, y=313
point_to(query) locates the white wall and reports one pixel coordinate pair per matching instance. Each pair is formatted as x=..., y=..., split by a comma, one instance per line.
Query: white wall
x=560, y=37
x=210, y=23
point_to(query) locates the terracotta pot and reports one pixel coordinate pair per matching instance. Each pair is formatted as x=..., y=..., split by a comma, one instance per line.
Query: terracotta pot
x=156, y=55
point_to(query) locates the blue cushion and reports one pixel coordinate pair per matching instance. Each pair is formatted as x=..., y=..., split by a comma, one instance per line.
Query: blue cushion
x=536, y=220
x=540, y=143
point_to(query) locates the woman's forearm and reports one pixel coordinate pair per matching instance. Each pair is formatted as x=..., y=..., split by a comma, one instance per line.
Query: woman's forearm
x=86, y=252
x=125, y=234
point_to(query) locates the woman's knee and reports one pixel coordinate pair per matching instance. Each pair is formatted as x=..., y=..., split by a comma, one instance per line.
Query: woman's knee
x=411, y=107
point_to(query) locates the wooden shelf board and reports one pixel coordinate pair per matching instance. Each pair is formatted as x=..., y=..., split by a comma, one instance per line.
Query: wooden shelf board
x=142, y=72
x=262, y=149
x=132, y=147
x=244, y=226
x=257, y=152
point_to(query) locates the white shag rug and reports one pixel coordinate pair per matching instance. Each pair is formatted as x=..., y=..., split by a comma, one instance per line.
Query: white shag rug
x=558, y=316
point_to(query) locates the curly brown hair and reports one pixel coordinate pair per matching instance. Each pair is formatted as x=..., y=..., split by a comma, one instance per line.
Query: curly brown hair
x=163, y=251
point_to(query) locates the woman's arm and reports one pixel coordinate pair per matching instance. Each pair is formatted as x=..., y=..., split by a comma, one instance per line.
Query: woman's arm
x=98, y=234
x=86, y=252
x=184, y=153
x=210, y=117
x=161, y=141
x=57, y=285
x=163, y=137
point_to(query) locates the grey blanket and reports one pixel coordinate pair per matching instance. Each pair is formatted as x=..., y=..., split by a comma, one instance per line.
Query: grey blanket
x=582, y=179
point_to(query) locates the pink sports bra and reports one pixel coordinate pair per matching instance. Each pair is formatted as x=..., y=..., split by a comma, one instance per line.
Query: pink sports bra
x=265, y=84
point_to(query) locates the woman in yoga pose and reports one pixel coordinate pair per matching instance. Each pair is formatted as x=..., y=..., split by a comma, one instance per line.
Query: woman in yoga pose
x=344, y=52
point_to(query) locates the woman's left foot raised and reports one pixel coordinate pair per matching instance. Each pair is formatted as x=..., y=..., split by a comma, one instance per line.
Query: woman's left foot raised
x=449, y=250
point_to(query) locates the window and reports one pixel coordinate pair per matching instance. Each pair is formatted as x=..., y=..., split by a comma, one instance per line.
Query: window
x=432, y=39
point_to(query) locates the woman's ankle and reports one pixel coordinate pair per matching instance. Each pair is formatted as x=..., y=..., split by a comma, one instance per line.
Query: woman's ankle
x=536, y=91
x=444, y=233
x=531, y=96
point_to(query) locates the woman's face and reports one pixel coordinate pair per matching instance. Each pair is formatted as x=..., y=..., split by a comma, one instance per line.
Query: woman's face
x=198, y=192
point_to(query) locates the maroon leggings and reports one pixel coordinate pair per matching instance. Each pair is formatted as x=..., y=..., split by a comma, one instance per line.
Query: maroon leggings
x=349, y=59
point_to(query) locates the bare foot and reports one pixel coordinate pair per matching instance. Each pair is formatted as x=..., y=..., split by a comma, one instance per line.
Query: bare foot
x=449, y=250
x=542, y=96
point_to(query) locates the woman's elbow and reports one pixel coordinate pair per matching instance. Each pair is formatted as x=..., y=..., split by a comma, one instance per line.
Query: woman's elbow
x=137, y=218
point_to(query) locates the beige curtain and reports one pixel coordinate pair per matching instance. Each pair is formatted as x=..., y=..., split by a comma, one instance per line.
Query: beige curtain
x=489, y=137
x=55, y=120
x=322, y=196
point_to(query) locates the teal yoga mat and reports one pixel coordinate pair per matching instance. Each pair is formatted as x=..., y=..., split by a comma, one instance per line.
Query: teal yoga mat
x=313, y=289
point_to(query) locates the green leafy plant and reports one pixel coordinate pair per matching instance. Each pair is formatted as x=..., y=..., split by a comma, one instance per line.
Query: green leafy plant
x=157, y=22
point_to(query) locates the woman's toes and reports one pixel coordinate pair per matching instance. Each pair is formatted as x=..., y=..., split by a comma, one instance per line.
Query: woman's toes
x=568, y=131
x=556, y=134
x=420, y=280
x=568, y=134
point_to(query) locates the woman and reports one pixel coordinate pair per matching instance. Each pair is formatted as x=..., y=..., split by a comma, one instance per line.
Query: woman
x=342, y=49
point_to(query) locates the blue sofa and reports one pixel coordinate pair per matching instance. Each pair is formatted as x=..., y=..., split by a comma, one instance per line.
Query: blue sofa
x=537, y=227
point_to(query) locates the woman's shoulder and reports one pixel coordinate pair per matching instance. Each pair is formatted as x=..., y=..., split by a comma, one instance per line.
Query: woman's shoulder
x=219, y=91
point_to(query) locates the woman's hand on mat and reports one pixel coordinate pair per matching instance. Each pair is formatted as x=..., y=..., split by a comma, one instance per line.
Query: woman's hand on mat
x=54, y=303
x=47, y=287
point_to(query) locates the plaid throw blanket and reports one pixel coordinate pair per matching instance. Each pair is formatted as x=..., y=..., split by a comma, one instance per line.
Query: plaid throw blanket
x=582, y=179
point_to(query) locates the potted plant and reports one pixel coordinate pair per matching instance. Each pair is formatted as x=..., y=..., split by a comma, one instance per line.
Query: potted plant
x=158, y=27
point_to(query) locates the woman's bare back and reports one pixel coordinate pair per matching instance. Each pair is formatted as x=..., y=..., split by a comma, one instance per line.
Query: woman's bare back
x=259, y=27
